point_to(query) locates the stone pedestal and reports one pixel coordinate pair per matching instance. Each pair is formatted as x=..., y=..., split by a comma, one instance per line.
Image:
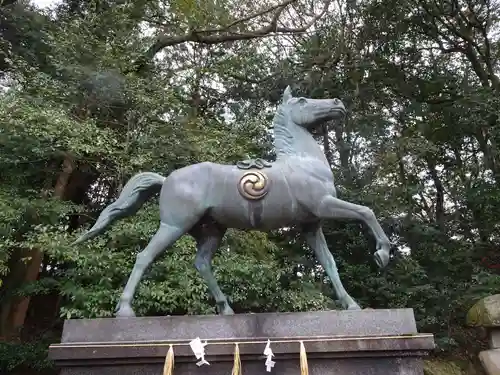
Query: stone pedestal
x=376, y=342
x=486, y=314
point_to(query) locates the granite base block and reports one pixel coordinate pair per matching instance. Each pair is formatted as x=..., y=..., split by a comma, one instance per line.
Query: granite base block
x=337, y=342
x=490, y=359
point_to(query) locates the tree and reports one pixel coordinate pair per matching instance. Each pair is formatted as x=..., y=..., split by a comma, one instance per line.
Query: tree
x=101, y=99
x=88, y=122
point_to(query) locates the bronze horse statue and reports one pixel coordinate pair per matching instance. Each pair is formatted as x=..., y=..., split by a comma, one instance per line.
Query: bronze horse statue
x=207, y=198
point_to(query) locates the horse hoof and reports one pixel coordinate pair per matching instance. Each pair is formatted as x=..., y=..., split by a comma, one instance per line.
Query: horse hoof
x=350, y=304
x=381, y=258
x=353, y=306
x=125, y=312
x=226, y=310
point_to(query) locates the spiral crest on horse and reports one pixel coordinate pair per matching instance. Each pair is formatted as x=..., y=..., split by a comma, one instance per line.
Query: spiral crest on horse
x=253, y=185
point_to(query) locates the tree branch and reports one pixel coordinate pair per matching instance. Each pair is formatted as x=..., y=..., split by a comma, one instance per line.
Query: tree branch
x=226, y=34
x=260, y=13
x=246, y=79
x=463, y=31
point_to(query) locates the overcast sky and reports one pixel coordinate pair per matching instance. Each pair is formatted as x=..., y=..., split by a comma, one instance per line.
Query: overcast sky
x=44, y=3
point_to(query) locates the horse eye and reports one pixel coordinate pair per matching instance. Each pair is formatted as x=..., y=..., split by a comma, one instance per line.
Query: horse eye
x=302, y=100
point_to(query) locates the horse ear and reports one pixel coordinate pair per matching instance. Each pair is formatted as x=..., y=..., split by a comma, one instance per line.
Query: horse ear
x=287, y=94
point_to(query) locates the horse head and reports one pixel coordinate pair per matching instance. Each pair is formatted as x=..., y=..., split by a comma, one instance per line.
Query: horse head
x=309, y=113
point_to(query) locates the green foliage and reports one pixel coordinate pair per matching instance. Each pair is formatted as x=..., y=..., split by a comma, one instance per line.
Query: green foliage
x=25, y=356
x=446, y=367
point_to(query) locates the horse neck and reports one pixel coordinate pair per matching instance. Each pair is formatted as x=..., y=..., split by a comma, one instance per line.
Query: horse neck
x=292, y=140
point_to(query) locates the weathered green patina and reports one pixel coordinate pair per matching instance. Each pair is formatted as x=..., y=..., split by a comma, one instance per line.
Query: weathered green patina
x=485, y=313
x=207, y=198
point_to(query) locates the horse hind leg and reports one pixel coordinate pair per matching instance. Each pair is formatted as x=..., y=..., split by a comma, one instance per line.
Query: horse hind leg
x=181, y=207
x=208, y=239
x=164, y=237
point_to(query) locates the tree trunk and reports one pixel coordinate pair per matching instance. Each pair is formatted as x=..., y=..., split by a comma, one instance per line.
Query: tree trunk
x=14, y=311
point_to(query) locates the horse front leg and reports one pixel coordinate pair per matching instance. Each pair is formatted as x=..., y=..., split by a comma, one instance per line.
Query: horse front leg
x=316, y=240
x=334, y=208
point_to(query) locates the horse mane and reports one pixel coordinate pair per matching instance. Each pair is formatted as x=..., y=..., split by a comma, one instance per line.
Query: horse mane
x=283, y=137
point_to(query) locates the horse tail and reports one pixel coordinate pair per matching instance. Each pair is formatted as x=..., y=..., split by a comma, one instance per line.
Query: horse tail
x=135, y=193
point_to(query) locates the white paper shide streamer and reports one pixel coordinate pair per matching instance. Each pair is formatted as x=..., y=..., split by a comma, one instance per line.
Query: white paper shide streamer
x=269, y=355
x=198, y=349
